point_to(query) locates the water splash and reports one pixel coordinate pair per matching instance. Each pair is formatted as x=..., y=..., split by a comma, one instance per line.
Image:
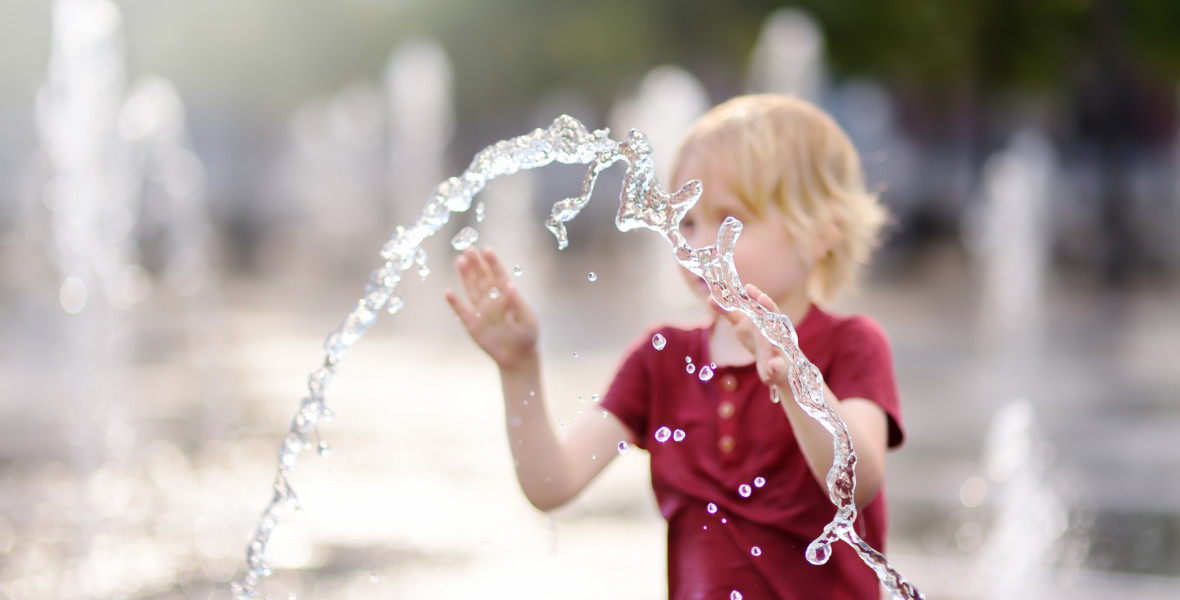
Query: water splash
x=466, y=237
x=662, y=434
x=658, y=342
x=642, y=204
x=706, y=373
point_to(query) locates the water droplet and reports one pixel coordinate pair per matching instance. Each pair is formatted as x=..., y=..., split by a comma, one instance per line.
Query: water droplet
x=662, y=434
x=424, y=271
x=593, y=457
x=712, y=508
x=735, y=595
x=604, y=414
x=658, y=342
x=759, y=482
x=325, y=450
x=724, y=520
x=517, y=271
x=756, y=551
x=592, y=276
x=575, y=354
x=623, y=447
x=464, y=239
x=395, y=304
x=687, y=359
x=678, y=435
x=744, y=490
x=819, y=552
x=690, y=368
x=373, y=578
x=493, y=293
x=479, y=212
x=706, y=373
x=594, y=398
x=774, y=395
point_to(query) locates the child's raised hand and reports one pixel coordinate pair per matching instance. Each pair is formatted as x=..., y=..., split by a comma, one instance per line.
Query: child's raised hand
x=494, y=313
x=772, y=362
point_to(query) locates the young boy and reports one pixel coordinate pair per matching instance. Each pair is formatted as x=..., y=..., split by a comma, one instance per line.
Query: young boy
x=743, y=489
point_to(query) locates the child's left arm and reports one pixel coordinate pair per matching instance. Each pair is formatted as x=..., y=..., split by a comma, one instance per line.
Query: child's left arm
x=866, y=420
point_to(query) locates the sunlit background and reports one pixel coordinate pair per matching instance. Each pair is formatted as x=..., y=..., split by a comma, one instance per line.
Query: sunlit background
x=192, y=195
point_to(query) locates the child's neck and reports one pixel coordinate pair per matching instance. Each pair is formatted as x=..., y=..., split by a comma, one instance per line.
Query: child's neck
x=726, y=349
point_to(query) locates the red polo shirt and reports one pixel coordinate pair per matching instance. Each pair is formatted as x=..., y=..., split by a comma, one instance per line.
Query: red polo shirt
x=719, y=538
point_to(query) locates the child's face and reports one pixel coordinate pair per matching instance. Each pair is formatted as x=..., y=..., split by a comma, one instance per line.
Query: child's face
x=765, y=255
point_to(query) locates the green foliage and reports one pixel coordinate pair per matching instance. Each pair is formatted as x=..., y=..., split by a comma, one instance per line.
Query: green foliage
x=508, y=53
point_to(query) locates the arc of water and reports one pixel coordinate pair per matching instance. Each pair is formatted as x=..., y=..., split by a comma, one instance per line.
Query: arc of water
x=642, y=204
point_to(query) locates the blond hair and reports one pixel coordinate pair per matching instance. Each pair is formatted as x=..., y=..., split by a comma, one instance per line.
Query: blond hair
x=780, y=149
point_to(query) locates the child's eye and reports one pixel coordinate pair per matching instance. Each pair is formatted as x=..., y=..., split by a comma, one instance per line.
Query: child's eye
x=731, y=213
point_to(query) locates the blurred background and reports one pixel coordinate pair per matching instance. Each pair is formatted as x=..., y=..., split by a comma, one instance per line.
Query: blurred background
x=192, y=194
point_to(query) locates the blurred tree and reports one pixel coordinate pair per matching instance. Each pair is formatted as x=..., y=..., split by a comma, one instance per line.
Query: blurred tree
x=507, y=53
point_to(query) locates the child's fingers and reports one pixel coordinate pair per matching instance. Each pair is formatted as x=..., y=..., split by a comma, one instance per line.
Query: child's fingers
x=767, y=302
x=462, y=310
x=495, y=267
x=515, y=305
x=479, y=267
x=717, y=308
x=468, y=274
x=776, y=371
x=761, y=298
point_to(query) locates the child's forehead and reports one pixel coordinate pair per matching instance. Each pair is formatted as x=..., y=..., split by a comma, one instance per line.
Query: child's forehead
x=713, y=168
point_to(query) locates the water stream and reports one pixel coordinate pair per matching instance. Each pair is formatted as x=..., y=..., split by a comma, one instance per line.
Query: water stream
x=643, y=204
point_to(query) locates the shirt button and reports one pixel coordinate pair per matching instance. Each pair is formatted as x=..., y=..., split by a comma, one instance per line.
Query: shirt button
x=729, y=382
x=726, y=409
x=725, y=444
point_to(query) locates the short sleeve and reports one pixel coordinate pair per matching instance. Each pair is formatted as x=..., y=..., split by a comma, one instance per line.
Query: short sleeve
x=863, y=368
x=628, y=396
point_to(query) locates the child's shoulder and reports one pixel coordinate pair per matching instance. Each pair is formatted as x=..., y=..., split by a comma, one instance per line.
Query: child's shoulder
x=679, y=329
x=852, y=326
x=686, y=335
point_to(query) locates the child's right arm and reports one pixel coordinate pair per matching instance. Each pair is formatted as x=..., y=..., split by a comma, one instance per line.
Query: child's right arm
x=551, y=469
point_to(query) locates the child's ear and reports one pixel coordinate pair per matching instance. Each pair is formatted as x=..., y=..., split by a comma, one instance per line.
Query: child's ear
x=821, y=246
x=818, y=249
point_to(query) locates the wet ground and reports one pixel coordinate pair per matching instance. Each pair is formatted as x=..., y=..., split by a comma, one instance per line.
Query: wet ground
x=136, y=468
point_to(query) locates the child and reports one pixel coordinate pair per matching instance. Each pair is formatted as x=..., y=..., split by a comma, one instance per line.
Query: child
x=744, y=491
